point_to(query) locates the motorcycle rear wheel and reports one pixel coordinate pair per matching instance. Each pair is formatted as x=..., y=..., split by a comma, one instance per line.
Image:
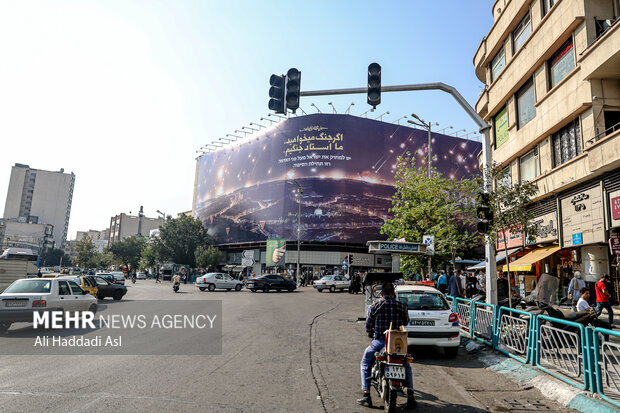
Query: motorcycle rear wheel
x=389, y=398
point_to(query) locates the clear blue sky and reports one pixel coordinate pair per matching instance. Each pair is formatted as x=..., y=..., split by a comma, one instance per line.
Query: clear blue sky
x=123, y=92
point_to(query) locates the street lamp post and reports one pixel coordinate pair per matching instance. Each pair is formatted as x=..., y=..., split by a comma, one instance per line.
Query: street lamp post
x=300, y=191
x=427, y=126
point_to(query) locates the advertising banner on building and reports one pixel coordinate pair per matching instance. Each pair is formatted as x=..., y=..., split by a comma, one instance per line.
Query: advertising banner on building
x=276, y=248
x=501, y=128
x=515, y=239
x=614, y=207
x=582, y=218
x=345, y=165
x=546, y=228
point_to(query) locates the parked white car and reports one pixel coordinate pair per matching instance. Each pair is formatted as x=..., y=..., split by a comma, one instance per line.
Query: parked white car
x=431, y=321
x=213, y=280
x=119, y=277
x=140, y=276
x=23, y=297
x=332, y=283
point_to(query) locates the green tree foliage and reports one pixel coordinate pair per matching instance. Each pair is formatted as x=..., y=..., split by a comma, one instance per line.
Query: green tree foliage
x=432, y=205
x=51, y=257
x=128, y=251
x=208, y=258
x=179, y=238
x=508, y=202
x=86, y=253
x=150, y=257
x=104, y=259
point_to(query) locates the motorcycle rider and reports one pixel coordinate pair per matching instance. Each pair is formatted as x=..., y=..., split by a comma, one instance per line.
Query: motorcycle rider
x=383, y=313
x=176, y=280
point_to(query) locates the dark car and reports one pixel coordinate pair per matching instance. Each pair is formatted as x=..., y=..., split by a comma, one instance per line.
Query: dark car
x=108, y=289
x=270, y=282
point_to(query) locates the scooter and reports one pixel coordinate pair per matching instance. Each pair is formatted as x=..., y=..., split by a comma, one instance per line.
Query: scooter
x=388, y=376
x=175, y=287
x=133, y=280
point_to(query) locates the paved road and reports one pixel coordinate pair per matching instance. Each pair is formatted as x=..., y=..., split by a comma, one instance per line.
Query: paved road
x=280, y=352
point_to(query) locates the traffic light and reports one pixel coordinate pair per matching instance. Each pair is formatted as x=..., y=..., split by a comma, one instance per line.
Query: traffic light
x=350, y=260
x=374, y=84
x=276, y=94
x=484, y=213
x=293, y=89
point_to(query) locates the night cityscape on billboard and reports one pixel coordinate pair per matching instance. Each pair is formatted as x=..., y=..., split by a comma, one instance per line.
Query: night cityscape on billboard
x=345, y=165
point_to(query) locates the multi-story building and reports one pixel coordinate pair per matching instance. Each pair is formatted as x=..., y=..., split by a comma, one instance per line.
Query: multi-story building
x=95, y=235
x=35, y=237
x=41, y=197
x=552, y=75
x=123, y=226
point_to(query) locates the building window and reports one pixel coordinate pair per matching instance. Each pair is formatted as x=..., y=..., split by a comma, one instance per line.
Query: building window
x=547, y=5
x=500, y=122
x=566, y=143
x=521, y=33
x=497, y=64
x=504, y=177
x=526, y=99
x=529, y=166
x=561, y=63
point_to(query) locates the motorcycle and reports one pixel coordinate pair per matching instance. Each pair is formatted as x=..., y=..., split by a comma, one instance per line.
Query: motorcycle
x=388, y=376
x=133, y=280
x=175, y=287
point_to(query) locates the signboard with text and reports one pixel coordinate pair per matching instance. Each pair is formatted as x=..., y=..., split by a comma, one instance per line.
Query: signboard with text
x=515, y=239
x=614, y=207
x=582, y=218
x=614, y=245
x=546, y=228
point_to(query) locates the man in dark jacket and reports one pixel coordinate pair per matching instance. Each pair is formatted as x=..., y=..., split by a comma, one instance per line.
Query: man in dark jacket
x=454, y=286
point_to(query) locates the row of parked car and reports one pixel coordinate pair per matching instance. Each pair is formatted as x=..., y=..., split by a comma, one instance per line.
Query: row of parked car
x=266, y=283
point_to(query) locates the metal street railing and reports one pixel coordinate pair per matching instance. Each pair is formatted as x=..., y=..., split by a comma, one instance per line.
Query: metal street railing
x=513, y=334
x=484, y=322
x=463, y=311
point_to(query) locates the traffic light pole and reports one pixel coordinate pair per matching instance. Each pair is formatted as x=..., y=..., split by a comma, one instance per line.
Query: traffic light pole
x=484, y=128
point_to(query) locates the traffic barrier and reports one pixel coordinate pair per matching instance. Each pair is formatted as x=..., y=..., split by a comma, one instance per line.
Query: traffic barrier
x=607, y=365
x=563, y=353
x=514, y=333
x=484, y=322
x=464, y=312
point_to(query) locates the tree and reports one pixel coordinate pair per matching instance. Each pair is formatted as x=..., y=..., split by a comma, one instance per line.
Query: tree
x=508, y=202
x=86, y=253
x=179, y=238
x=208, y=258
x=128, y=251
x=150, y=257
x=53, y=256
x=432, y=205
x=104, y=259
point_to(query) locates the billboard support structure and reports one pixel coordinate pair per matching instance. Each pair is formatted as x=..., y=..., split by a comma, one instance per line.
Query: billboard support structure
x=484, y=129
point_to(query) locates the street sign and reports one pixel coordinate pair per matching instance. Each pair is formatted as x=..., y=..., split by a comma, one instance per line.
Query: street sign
x=396, y=247
x=247, y=262
x=614, y=245
x=429, y=241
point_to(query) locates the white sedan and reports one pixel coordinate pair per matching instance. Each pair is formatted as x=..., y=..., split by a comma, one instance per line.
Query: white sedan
x=332, y=283
x=214, y=280
x=25, y=296
x=141, y=276
x=431, y=321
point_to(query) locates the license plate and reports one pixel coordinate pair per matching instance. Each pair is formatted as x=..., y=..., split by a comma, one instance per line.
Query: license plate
x=422, y=323
x=394, y=372
x=15, y=303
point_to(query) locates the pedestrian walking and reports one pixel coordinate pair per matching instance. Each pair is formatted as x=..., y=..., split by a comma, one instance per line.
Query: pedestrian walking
x=157, y=280
x=602, y=298
x=442, y=282
x=454, y=286
x=574, y=288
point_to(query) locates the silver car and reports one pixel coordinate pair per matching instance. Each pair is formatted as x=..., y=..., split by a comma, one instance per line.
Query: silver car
x=332, y=283
x=214, y=280
x=23, y=297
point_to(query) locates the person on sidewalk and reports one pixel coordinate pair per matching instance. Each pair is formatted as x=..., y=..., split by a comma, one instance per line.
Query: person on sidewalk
x=442, y=282
x=602, y=298
x=574, y=288
x=454, y=286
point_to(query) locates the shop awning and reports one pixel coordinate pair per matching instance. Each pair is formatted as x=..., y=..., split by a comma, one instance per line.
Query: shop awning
x=525, y=263
x=498, y=257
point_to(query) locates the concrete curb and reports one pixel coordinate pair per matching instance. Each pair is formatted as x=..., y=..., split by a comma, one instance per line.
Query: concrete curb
x=527, y=375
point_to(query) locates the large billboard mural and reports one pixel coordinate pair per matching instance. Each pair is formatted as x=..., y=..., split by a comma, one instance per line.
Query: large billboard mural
x=345, y=165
